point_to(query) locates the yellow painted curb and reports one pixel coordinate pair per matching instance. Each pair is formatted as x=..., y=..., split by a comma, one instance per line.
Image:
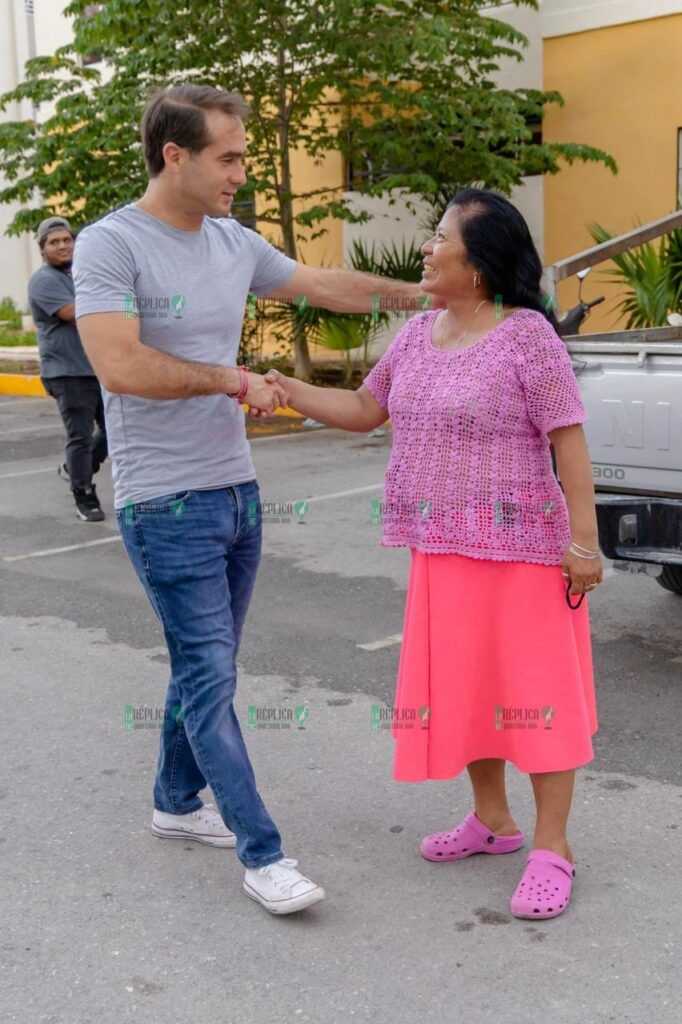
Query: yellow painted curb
x=21, y=384
x=280, y=412
x=25, y=384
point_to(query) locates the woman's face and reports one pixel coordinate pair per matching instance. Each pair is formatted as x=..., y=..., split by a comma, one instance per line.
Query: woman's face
x=447, y=273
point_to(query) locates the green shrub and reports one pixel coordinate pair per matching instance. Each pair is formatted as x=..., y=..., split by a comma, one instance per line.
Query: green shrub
x=10, y=313
x=11, y=338
x=650, y=276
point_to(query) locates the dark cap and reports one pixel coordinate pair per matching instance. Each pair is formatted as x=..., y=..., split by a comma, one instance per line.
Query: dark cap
x=52, y=224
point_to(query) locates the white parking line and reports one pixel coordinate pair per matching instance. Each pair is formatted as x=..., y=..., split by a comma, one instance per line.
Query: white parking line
x=284, y=437
x=51, y=469
x=388, y=641
x=346, y=494
x=27, y=472
x=108, y=540
x=59, y=551
x=13, y=403
x=30, y=430
x=373, y=646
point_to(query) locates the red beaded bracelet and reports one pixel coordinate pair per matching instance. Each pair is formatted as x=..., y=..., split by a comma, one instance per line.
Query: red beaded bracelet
x=243, y=384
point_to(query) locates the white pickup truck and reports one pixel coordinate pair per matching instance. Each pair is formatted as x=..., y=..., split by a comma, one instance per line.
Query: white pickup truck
x=632, y=390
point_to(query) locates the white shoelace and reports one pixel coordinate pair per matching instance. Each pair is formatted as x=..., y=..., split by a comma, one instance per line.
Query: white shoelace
x=283, y=875
x=207, y=816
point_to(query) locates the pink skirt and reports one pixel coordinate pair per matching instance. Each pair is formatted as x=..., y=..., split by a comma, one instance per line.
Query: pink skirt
x=493, y=664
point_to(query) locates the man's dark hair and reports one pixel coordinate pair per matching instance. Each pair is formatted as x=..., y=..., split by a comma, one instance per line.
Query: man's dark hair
x=177, y=115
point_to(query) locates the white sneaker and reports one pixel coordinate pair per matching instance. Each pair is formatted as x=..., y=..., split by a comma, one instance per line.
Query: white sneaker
x=280, y=888
x=203, y=825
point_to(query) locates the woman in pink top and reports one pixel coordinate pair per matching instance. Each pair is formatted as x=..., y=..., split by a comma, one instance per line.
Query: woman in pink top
x=496, y=661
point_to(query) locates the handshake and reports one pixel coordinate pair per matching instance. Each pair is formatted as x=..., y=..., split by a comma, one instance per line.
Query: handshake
x=266, y=393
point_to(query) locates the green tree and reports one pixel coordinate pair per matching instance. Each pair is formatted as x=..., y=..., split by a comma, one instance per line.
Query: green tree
x=404, y=90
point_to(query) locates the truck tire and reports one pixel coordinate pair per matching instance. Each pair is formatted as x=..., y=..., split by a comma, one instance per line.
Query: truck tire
x=671, y=578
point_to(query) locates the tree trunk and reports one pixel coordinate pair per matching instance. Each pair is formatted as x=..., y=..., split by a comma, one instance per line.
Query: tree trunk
x=303, y=368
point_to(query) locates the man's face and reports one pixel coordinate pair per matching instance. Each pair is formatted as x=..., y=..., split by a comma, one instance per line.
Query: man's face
x=208, y=180
x=58, y=249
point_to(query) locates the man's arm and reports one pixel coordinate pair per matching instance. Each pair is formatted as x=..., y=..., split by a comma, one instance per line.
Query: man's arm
x=67, y=313
x=124, y=365
x=349, y=291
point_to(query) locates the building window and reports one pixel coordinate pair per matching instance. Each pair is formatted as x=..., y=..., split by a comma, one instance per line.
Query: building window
x=679, y=169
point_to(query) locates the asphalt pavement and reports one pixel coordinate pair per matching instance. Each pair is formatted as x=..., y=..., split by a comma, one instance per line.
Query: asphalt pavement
x=103, y=922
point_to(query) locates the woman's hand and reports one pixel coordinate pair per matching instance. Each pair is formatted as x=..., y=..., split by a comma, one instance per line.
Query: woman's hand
x=584, y=573
x=277, y=382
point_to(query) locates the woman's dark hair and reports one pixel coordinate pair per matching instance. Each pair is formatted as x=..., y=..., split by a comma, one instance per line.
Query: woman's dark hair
x=177, y=115
x=500, y=248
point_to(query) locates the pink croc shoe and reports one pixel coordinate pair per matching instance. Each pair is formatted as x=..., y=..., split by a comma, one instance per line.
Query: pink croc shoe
x=545, y=887
x=471, y=836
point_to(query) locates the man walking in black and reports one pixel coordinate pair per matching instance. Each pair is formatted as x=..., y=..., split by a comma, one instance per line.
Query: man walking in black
x=64, y=367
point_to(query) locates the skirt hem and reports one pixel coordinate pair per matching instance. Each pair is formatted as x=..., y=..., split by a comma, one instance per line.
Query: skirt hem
x=480, y=757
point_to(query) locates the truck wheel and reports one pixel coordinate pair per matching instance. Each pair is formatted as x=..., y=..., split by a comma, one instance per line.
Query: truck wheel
x=671, y=578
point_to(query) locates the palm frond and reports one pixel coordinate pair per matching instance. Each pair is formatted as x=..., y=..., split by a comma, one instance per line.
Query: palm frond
x=650, y=278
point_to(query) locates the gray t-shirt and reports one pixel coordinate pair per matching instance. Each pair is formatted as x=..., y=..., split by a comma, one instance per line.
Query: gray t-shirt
x=189, y=290
x=60, y=348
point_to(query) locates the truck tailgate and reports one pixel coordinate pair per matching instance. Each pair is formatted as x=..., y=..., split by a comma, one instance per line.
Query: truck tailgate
x=632, y=392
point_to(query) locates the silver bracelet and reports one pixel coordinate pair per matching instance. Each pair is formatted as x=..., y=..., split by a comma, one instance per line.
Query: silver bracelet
x=579, y=555
x=588, y=551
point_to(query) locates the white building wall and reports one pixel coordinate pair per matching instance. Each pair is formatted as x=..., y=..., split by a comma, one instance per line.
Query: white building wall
x=564, y=17
x=15, y=254
x=22, y=35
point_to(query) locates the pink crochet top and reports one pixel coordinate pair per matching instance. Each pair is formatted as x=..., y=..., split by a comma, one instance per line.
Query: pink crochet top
x=471, y=469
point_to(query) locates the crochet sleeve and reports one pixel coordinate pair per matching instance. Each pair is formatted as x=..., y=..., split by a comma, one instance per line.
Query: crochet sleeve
x=378, y=381
x=551, y=390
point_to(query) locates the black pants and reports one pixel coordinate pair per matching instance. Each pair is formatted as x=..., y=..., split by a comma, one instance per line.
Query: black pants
x=79, y=400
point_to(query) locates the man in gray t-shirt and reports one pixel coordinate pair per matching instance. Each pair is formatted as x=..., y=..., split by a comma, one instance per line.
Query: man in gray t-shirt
x=161, y=288
x=65, y=370
x=184, y=292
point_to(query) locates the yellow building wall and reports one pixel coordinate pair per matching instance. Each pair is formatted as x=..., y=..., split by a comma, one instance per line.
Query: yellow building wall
x=622, y=87
x=306, y=176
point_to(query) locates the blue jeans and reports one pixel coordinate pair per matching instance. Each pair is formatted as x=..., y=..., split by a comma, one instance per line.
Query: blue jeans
x=196, y=554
